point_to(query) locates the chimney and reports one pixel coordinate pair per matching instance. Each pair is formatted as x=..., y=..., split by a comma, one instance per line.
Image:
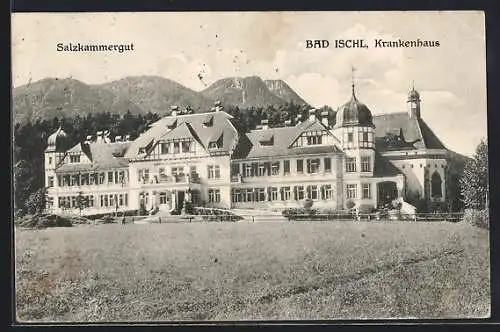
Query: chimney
x=324, y=119
x=174, y=109
x=288, y=123
x=265, y=124
x=298, y=120
x=106, y=137
x=127, y=138
x=99, y=136
x=312, y=114
x=258, y=127
x=89, y=138
x=218, y=106
x=118, y=138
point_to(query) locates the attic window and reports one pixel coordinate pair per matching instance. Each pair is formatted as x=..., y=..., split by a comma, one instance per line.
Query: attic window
x=208, y=121
x=142, y=150
x=172, y=124
x=267, y=140
x=216, y=144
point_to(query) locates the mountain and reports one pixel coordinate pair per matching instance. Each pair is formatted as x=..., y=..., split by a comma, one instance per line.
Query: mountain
x=250, y=92
x=51, y=97
x=284, y=91
x=155, y=94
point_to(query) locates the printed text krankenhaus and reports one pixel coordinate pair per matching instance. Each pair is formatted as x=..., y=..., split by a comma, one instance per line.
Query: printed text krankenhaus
x=406, y=43
x=78, y=47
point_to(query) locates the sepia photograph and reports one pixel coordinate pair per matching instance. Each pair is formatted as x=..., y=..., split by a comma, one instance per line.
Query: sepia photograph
x=249, y=166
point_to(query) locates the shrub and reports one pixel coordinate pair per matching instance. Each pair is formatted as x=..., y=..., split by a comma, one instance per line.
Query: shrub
x=44, y=220
x=188, y=206
x=107, y=219
x=366, y=208
x=350, y=204
x=308, y=203
x=479, y=218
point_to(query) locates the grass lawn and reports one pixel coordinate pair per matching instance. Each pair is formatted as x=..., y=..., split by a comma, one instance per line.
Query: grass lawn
x=245, y=271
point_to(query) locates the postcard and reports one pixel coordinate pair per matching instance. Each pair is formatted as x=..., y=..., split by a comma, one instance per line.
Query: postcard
x=250, y=166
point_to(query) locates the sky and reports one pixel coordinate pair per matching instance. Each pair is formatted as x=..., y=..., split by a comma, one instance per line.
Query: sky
x=451, y=79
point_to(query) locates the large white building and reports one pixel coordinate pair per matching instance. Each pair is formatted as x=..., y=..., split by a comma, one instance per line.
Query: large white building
x=203, y=159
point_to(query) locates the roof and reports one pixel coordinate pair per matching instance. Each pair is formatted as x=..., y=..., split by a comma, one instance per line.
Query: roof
x=102, y=155
x=283, y=137
x=416, y=134
x=354, y=113
x=384, y=167
x=188, y=126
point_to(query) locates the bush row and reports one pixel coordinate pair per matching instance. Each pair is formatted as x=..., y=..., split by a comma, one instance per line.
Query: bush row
x=479, y=218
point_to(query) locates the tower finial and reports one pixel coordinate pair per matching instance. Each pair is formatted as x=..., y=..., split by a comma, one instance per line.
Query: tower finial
x=413, y=85
x=352, y=79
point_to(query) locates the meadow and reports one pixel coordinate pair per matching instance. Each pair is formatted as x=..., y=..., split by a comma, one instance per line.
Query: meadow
x=245, y=271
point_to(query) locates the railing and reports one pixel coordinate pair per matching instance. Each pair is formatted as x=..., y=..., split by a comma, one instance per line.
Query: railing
x=193, y=178
x=429, y=217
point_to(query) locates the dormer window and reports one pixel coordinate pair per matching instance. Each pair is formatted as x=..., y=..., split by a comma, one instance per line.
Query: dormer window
x=216, y=144
x=142, y=150
x=208, y=121
x=172, y=124
x=267, y=140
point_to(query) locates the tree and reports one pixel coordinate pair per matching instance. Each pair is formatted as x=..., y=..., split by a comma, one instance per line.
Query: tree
x=474, y=182
x=37, y=201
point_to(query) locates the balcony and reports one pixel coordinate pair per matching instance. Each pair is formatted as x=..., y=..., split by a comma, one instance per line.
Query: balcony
x=172, y=179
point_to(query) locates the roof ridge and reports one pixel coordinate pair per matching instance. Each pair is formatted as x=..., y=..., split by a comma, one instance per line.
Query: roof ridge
x=390, y=113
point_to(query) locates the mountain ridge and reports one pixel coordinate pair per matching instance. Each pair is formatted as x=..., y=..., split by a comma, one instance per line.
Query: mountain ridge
x=51, y=96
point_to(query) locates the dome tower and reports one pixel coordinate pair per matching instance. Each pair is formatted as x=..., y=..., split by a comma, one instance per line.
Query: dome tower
x=57, y=144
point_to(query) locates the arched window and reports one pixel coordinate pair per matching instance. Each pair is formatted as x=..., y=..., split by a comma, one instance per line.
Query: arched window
x=436, y=185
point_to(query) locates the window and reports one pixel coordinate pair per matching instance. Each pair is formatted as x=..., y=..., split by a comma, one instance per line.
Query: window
x=248, y=195
x=214, y=195
x=300, y=166
x=275, y=168
x=247, y=170
x=327, y=191
x=350, y=137
x=110, y=177
x=50, y=181
x=352, y=191
x=84, y=179
x=274, y=194
x=367, y=193
x=101, y=178
x=312, y=192
x=286, y=167
x=120, y=199
x=214, y=172
x=328, y=165
x=365, y=137
x=163, y=198
x=50, y=160
x=365, y=164
x=262, y=169
x=236, y=195
x=143, y=175
x=105, y=200
x=111, y=200
x=186, y=146
x=177, y=171
x=350, y=164
x=313, y=166
x=125, y=198
x=91, y=201
x=300, y=192
x=286, y=194
x=74, y=159
x=212, y=145
x=176, y=147
x=164, y=147
x=192, y=170
x=436, y=185
x=75, y=180
x=261, y=194
x=314, y=140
